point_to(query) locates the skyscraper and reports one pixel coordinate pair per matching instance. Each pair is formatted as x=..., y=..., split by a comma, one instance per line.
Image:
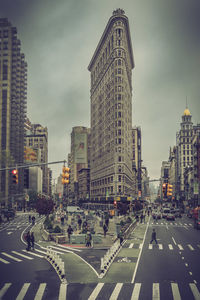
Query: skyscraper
x=13, y=80
x=184, y=144
x=111, y=110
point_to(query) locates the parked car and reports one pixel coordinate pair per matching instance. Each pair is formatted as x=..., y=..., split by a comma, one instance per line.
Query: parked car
x=170, y=217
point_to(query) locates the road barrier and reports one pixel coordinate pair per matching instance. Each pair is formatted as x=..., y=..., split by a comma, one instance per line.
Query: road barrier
x=57, y=263
x=109, y=257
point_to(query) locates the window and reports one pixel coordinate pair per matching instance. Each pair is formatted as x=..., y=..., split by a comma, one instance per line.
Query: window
x=119, y=158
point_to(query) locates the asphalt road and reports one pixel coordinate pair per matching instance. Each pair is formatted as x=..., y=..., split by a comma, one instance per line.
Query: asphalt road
x=167, y=271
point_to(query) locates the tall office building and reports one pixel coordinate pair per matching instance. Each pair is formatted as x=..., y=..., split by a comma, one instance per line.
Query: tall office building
x=37, y=139
x=111, y=110
x=78, y=158
x=13, y=80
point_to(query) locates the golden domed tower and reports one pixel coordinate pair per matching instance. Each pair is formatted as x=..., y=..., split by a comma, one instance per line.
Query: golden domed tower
x=184, y=143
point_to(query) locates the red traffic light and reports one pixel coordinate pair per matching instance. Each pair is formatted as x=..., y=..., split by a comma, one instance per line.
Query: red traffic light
x=14, y=172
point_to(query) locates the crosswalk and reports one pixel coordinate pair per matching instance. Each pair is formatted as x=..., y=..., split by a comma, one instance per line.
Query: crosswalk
x=164, y=247
x=21, y=255
x=173, y=223
x=106, y=291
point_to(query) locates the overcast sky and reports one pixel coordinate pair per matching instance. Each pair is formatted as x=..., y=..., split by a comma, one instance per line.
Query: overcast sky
x=59, y=38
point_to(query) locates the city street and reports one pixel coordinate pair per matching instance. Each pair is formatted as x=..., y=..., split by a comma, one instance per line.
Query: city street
x=165, y=271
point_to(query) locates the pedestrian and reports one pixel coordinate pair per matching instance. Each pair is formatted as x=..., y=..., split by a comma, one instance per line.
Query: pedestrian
x=28, y=240
x=120, y=236
x=79, y=223
x=148, y=213
x=153, y=237
x=29, y=218
x=88, y=239
x=62, y=220
x=32, y=240
x=144, y=218
x=107, y=221
x=33, y=220
x=69, y=231
x=137, y=218
x=105, y=229
x=141, y=218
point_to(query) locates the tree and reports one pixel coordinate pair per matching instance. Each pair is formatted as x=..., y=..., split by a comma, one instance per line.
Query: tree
x=44, y=206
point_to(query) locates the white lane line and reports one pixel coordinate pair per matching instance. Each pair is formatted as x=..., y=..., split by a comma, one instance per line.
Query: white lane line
x=180, y=247
x=174, y=240
x=10, y=232
x=190, y=246
x=131, y=245
x=96, y=291
x=4, y=261
x=195, y=291
x=160, y=246
x=136, y=291
x=12, y=257
x=22, y=255
x=41, y=256
x=175, y=291
x=40, y=291
x=186, y=264
x=190, y=273
x=116, y=291
x=140, y=246
x=4, y=289
x=23, y=291
x=156, y=292
x=136, y=266
x=170, y=247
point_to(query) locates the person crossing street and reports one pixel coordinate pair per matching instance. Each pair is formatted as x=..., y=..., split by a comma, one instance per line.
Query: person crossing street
x=153, y=237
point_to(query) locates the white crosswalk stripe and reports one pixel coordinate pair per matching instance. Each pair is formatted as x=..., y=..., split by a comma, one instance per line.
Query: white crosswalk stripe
x=175, y=291
x=190, y=247
x=136, y=291
x=180, y=247
x=155, y=291
x=23, y=291
x=117, y=291
x=170, y=247
x=34, y=254
x=40, y=291
x=4, y=261
x=12, y=257
x=131, y=245
x=22, y=255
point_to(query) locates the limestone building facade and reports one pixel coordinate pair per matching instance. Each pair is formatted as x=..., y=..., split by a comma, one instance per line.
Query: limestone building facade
x=111, y=110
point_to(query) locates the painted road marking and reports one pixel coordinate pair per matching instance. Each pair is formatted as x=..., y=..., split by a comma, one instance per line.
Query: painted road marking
x=12, y=257
x=4, y=261
x=170, y=247
x=136, y=291
x=156, y=292
x=131, y=245
x=96, y=291
x=40, y=291
x=175, y=291
x=191, y=248
x=4, y=289
x=150, y=246
x=20, y=254
x=116, y=291
x=195, y=291
x=33, y=253
x=180, y=247
x=23, y=291
x=160, y=246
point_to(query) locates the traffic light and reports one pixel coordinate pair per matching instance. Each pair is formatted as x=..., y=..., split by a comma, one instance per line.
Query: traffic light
x=164, y=187
x=169, y=190
x=65, y=175
x=115, y=204
x=15, y=176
